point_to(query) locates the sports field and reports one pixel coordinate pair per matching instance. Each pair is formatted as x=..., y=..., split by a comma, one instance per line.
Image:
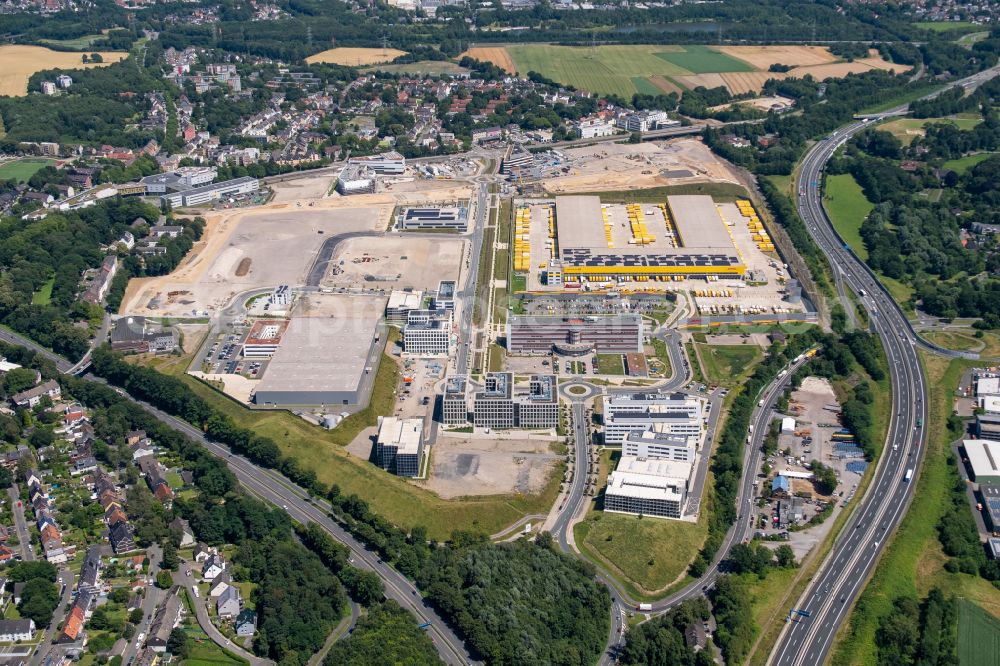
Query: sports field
x=978, y=636
x=23, y=169
x=653, y=68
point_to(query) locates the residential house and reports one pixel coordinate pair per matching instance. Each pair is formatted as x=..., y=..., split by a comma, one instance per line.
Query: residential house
x=73, y=626
x=122, y=540
x=31, y=397
x=168, y=616
x=219, y=584
x=229, y=602
x=90, y=571
x=13, y=631
x=180, y=527
x=246, y=623
x=213, y=566
x=201, y=552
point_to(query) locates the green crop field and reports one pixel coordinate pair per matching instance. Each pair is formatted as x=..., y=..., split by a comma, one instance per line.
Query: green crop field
x=848, y=209
x=704, y=60
x=978, y=636
x=23, y=169
x=603, y=69
x=945, y=26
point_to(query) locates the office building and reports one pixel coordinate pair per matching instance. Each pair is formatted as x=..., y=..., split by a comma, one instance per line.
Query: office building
x=648, y=487
x=454, y=405
x=618, y=334
x=453, y=218
x=501, y=404
x=356, y=179
x=264, y=338
x=591, y=128
x=662, y=446
x=213, y=192
x=400, y=445
x=445, y=297
x=400, y=304
x=669, y=414
x=389, y=163
x=427, y=333
x=989, y=496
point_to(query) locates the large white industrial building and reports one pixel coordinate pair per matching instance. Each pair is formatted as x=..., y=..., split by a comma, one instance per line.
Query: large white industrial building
x=648, y=487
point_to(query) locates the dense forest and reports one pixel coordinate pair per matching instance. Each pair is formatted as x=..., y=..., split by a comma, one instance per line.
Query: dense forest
x=661, y=640
x=924, y=634
x=386, y=635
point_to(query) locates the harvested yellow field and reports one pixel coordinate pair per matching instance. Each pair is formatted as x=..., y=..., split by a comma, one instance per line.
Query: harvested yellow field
x=665, y=84
x=839, y=69
x=18, y=62
x=355, y=57
x=704, y=80
x=762, y=57
x=742, y=82
x=497, y=55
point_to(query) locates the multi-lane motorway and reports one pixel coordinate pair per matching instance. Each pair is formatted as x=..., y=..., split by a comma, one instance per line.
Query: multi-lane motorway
x=808, y=638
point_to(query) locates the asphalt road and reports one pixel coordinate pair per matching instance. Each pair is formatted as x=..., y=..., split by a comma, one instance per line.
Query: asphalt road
x=467, y=293
x=826, y=603
x=20, y=523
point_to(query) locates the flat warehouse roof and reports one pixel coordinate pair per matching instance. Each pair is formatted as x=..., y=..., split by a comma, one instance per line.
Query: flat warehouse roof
x=579, y=221
x=698, y=222
x=984, y=456
x=321, y=354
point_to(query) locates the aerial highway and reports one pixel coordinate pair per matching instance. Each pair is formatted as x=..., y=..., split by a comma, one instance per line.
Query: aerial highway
x=808, y=638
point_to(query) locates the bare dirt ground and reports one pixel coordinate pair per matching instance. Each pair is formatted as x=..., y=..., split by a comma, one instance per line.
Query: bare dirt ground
x=396, y=262
x=479, y=466
x=640, y=166
x=355, y=57
x=302, y=189
x=205, y=279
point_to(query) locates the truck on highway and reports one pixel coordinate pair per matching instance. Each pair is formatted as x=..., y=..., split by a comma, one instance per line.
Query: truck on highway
x=909, y=475
x=645, y=607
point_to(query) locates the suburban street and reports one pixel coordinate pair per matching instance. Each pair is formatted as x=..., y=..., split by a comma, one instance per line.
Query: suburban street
x=20, y=523
x=826, y=603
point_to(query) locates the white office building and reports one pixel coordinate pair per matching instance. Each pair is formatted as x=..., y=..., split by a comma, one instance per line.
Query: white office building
x=427, y=333
x=592, y=128
x=400, y=304
x=652, y=444
x=668, y=414
x=356, y=179
x=648, y=487
x=400, y=445
x=390, y=163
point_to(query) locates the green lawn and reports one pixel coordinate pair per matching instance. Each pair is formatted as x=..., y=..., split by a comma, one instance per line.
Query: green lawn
x=783, y=183
x=945, y=26
x=978, y=636
x=650, y=553
x=704, y=60
x=718, y=191
x=398, y=500
x=963, y=164
x=23, y=169
x=908, y=129
x=957, y=340
x=848, y=208
x=44, y=295
x=914, y=561
x=75, y=43
x=610, y=364
x=206, y=653
x=728, y=365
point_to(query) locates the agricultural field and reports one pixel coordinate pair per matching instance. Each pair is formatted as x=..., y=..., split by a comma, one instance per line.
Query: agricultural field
x=355, y=57
x=627, y=69
x=78, y=43
x=848, y=207
x=18, y=62
x=978, y=636
x=422, y=68
x=23, y=169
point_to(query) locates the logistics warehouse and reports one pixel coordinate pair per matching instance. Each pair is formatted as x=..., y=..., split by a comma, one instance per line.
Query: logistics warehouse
x=685, y=237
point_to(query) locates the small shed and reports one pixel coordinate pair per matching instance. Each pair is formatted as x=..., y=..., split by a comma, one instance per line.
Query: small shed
x=787, y=425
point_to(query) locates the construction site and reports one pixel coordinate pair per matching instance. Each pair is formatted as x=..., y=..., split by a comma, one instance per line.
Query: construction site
x=718, y=252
